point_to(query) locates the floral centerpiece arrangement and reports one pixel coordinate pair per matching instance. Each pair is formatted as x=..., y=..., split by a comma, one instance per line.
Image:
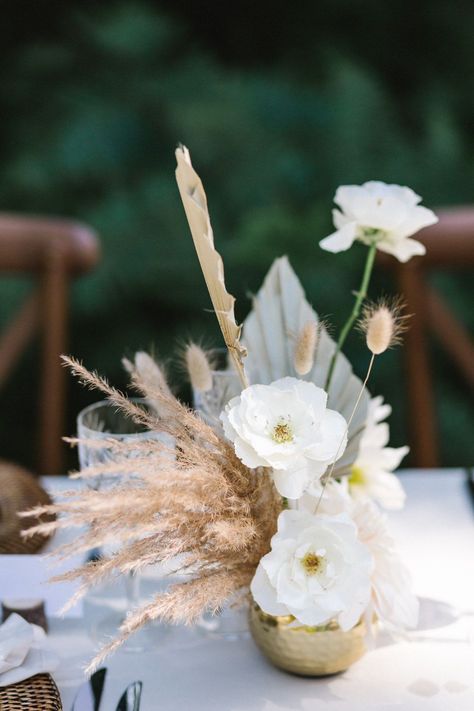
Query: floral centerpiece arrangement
x=276, y=485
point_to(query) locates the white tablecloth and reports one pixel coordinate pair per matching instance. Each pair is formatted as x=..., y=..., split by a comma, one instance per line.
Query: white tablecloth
x=431, y=669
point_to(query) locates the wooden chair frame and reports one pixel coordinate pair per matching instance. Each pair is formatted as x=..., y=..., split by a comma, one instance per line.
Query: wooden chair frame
x=52, y=252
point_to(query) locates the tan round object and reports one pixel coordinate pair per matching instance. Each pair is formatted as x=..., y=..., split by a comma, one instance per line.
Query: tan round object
x=19, y=491
x=306, y=651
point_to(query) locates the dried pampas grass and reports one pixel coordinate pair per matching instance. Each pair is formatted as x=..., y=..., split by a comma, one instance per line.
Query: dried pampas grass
x=151, y=375
x=194, y=505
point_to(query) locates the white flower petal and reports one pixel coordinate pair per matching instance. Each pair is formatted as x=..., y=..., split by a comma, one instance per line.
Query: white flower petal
x=312, y=616
x=264, y=594
x=333, y=429
x=340, y=240
x=404, y=194
x=248, y=455
x=348, y=619
x=315, y=397
x=392, y=456
x=402, y=249
x=381, y=212
x=347, y=197
x=291, y=483
x=393, y=599
x=376, y=436
x=417, y=218
x=340, y=219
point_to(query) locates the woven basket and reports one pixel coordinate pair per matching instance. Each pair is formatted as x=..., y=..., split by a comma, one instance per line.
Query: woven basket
x=19, y=491
x=39, y=693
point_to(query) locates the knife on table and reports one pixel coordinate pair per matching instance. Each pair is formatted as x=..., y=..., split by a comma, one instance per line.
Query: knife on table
x=90, y=693
x=130, y=700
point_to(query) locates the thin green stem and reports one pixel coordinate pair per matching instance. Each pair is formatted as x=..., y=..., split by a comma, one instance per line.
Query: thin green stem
x=360, y=296
x=346, y=434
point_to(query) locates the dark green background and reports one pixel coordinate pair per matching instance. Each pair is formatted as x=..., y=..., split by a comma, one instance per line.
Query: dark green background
x=279, y=104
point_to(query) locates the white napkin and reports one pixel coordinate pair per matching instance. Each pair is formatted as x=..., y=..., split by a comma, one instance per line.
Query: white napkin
x=23, y=651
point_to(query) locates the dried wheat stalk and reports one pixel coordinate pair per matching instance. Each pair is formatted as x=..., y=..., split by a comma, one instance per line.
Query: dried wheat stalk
x=196, y=505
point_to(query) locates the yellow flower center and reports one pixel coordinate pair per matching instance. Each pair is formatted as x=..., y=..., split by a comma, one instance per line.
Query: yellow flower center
x=312, y=563
x=282, y=433
x=357, y=477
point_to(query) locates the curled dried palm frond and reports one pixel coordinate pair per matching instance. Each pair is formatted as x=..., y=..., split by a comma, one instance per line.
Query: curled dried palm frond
x=191, y=502
x=195, y=206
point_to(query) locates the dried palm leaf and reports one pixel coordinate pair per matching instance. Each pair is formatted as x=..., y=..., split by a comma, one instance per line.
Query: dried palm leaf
x=195, y=205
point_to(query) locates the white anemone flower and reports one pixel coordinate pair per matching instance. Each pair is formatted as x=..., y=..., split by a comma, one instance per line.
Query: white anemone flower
x=372, y=472
x=387, y=215
x=286, y=426
x=393, y=600
x=317, y=570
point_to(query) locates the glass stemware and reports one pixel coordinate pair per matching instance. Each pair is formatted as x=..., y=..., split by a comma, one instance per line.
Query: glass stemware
x=231, y=622
x=103, y=421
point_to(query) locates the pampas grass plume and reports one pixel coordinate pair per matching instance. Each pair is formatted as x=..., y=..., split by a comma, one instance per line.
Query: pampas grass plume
x=198, y=366
x=305, y=348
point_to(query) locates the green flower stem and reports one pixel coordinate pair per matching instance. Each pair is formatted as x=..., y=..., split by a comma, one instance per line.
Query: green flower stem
x=360, y=296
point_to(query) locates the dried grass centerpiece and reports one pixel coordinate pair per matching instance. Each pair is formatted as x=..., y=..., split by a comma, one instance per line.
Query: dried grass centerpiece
x=197, y=505
x=280, y=491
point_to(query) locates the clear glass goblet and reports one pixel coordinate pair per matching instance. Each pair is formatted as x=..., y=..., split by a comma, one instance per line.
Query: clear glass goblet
x=231, y=622
x=104, y=421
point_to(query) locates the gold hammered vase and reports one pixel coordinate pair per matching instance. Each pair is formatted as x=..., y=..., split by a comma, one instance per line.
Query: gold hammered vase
x=307, y=651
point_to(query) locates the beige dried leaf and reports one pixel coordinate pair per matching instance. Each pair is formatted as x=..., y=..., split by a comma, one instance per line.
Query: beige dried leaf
x=195, y=206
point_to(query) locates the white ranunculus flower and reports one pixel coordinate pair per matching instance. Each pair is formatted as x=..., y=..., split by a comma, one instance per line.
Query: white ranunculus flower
x=376, y=212
x=392, y=596
x=371, y=474
x=317, y=570
x=286, y=426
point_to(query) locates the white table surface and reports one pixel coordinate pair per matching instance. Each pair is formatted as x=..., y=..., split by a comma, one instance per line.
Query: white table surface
x=431, y=669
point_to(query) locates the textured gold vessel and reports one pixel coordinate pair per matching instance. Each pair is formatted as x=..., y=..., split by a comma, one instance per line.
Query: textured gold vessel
x=307, y=651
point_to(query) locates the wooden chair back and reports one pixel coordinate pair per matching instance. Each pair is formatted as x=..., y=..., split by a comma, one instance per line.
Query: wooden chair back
x=52, y=252
x=449, y=246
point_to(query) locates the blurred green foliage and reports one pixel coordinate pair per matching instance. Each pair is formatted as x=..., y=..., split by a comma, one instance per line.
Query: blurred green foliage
x=278, y=106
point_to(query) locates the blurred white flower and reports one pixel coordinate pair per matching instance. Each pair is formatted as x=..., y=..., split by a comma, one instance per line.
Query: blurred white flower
x=376, y=212
x=392, y=596
x=371, y=474
x=286, y=426
x=317, y=570
x=330, y=500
